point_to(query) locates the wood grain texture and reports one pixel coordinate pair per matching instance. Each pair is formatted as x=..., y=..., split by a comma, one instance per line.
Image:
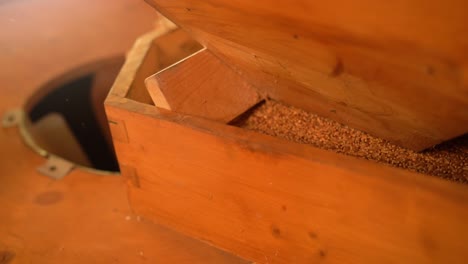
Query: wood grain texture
x=202, y=85
x=83, y=218
x=272, y=201
x=396, y=70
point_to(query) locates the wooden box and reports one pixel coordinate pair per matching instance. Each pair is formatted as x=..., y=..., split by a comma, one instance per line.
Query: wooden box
x=266, y=199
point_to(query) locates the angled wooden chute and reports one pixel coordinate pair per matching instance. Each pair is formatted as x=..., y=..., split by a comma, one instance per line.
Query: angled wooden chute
x=394, y=69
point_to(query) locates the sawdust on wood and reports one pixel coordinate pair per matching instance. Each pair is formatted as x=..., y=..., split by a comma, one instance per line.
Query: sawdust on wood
x=448, y=160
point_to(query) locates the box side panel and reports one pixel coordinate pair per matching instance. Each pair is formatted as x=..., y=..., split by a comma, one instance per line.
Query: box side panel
x=275, y=202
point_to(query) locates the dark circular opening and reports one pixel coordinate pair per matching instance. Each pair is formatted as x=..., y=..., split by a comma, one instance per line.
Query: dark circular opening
x=66, y=116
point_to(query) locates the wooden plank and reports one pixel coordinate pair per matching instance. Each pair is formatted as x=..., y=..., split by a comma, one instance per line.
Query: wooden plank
x=273, y=201
x=394, y=69
x=203, y=86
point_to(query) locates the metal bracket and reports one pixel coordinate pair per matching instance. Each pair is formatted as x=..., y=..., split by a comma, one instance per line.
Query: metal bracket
x=55, y=167
x=12, y=118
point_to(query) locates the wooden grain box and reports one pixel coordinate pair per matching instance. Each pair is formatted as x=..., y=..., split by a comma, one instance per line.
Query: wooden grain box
x=266, y=199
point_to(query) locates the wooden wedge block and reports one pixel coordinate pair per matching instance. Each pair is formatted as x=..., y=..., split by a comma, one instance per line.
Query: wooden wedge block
x=202, y=85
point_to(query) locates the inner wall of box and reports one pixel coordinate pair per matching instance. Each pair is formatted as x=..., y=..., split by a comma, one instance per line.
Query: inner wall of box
x=448, y=160
x=166, y=51
x=149, y=66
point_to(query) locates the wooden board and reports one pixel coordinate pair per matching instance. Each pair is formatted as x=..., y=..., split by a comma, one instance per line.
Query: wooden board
x=84, y=218
x=272, y=201
x=395, y=69
x=202, y=85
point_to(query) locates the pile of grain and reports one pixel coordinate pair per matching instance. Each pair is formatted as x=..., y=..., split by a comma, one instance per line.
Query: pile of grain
x=448, y=160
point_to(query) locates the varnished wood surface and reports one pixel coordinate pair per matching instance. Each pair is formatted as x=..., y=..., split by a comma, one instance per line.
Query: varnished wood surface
x=84, y=218
x=273, y=201
x=395, y=69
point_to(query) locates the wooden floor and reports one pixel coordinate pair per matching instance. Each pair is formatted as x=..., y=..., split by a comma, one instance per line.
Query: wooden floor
x=83, y=218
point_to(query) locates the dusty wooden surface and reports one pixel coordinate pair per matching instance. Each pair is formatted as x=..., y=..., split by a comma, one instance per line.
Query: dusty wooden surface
x=394, y=69
x=83, y=218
